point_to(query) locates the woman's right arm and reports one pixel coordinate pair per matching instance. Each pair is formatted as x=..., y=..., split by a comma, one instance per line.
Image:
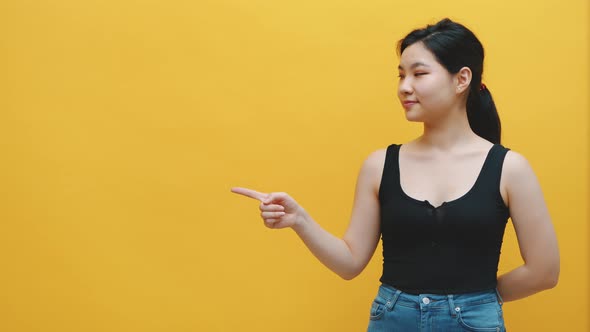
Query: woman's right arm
x=346, y=256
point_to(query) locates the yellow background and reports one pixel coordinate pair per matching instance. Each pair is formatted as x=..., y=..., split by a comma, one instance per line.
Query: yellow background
x=123, y=125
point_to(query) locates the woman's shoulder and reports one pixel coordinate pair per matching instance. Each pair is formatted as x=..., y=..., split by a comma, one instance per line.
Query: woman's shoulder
x=372, y=168
x=377, y=157
x=516, y=165
x=519, y=181
x=514, y=159
x=374, y=162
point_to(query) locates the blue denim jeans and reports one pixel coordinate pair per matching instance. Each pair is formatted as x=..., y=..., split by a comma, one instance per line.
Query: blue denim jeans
x=394, y=310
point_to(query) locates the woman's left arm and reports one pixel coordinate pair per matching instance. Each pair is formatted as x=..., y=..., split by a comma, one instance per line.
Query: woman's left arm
x=536, y=236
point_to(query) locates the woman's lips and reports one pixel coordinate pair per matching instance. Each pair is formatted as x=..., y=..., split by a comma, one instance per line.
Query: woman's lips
x=408, y=103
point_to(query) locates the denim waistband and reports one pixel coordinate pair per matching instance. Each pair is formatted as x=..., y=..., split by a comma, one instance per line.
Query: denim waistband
x=452, y=302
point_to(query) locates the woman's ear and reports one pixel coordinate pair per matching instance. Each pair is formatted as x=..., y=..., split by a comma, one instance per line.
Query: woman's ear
x=463, y=79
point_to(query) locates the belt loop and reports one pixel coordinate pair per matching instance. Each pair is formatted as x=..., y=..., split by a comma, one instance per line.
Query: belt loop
x=500, y=300
x=452, y=305
x=391, y=302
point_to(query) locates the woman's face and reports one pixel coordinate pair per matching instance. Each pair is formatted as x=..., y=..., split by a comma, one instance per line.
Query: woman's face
x=426, y=89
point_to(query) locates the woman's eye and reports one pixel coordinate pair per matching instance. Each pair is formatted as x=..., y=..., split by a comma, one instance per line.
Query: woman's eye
x=420, y=74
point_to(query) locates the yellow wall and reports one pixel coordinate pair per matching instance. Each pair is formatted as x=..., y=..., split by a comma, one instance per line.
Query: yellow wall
x=123, y=125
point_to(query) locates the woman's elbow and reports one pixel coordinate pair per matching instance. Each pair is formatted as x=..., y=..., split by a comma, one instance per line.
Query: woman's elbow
x=349, y=275
x=550, y=276
x=351, y=272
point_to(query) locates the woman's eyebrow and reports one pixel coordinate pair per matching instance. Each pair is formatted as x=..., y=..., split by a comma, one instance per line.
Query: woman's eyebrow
x=414, y=65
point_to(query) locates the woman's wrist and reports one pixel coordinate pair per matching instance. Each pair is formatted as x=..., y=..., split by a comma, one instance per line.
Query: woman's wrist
x=301, y=220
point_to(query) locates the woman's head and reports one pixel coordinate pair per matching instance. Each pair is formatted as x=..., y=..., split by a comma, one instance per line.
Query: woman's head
x=454, y=49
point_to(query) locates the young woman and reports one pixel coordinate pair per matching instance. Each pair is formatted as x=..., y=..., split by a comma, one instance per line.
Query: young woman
x=440, y=202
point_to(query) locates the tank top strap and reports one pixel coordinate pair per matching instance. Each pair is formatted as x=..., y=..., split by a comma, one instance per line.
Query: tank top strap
x=390, y=177
x=492, y=169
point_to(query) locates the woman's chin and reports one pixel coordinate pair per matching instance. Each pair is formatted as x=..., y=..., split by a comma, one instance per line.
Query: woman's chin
x=413, y=118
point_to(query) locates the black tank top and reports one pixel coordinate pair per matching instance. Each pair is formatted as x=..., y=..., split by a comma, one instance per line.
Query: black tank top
x=450, y=249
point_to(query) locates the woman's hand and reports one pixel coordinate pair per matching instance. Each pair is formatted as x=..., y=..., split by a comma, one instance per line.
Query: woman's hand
x=278, y=210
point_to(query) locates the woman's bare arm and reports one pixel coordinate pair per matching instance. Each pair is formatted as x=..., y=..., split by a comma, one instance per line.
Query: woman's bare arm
x=346, y=256
x=536, y=236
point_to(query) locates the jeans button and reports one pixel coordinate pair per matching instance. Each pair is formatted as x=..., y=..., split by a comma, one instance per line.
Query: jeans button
x=425, y=300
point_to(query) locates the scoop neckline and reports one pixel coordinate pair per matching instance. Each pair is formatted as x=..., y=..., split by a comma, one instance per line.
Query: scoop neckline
x=444, y=203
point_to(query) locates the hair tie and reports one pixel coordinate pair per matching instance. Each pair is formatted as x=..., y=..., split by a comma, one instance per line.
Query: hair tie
x=482, y=87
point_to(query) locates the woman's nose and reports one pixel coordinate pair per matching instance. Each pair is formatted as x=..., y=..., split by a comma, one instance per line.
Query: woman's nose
x=404, y=87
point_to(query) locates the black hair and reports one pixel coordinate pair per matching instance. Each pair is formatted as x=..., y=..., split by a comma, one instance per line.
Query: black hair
x=454, y=46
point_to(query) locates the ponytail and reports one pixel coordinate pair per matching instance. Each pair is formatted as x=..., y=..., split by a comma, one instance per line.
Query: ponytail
x=482, y=114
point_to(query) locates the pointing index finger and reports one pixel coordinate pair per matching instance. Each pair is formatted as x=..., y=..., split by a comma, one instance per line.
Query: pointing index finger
x=249, y=193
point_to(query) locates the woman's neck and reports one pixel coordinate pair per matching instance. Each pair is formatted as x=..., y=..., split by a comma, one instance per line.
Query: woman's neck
x=449, y=133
